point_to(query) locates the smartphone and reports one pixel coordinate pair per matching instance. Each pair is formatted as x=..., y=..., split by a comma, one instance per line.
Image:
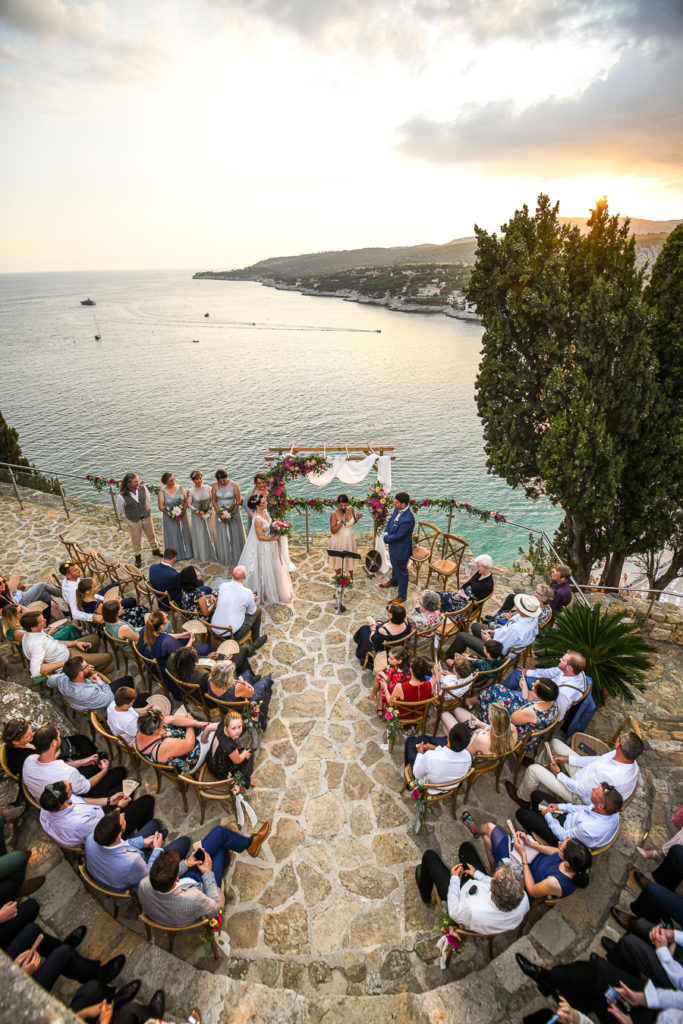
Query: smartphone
x=612, y=996
x=587, y=750
x=199, y=854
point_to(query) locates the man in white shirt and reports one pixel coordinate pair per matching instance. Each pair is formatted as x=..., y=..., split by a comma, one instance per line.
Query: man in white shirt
x=439, y=759
x=569, y=674
x=123, y=713
x=46, y=655
x=92, y=775
x=237, y=609
x=71, y=571
x=617, y=767
x=595, y=823
x=69, y=819
x=520, y=631
x=484, y=904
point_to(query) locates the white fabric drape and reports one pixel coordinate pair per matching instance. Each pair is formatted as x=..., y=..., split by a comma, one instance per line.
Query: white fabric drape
x=381, y=547
x=384, y=471
x=345, y=470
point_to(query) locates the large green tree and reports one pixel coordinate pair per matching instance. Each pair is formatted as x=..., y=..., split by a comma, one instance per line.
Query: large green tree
x=567, y=377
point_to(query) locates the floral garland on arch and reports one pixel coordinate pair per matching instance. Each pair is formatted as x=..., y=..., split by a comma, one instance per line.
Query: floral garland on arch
x=289, y=468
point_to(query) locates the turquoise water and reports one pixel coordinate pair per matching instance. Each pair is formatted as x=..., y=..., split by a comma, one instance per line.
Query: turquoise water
x=271, y=368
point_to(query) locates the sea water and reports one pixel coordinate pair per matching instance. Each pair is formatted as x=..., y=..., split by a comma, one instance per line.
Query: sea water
x=271, y=368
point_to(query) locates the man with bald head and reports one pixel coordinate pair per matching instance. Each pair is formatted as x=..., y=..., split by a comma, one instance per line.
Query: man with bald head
x=237, y=609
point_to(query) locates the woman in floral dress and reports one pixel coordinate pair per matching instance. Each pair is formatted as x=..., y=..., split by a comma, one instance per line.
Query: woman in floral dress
x=530, y=710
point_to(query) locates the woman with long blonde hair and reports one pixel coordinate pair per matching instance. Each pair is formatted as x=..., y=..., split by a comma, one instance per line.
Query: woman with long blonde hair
x=497, y=737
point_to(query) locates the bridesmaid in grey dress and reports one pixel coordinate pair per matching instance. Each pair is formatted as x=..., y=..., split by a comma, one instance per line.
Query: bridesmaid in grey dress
x=203, y=547
x=176, y=531
x=230, y=537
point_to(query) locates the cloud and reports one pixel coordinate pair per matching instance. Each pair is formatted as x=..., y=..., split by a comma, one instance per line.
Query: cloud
x=9, y=86
x=415, y=24
x=8, y=53
x=631, y=118
x=35, y=17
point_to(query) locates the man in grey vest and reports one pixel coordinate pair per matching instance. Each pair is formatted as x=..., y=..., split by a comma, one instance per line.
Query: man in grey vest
x=133, y=502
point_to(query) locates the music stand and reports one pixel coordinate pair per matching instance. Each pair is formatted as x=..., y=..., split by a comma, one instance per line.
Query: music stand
x=335, y=553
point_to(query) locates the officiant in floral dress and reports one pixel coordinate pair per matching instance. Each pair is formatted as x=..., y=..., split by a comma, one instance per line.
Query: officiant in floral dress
x=226, y=500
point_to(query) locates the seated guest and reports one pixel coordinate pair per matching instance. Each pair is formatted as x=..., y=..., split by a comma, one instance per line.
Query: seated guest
x=94, y=998
x=659, y=899
x=370, y=639
x=165, y=900
x=72, y=572
x=163, y=576
x=118, y=859
x=88, y=599
x=455, y=683
x=645, y=949
x=221, y=684
x=115, y=626
x=595, y=823
x=542, y=593
x=176, y=741
x=236, y=609
x=12, y=615
x=46, y=655
x=437, y=759
x=476, y=588
x=546, y=871
x=231, y=753
x=76, y=750
x=70, y=819
x=475, y=901
x=58, y=957
x=493, y=657
x=157, y=644
x=195, y=597
x=391, y=668
x=559, y=582
x=124, y=711
x=15, y=591
x=617, y=767
x=82, y=688
x=531, y=710
x=569, y=674
x=497, y=737
x=184, y=664
x=427, y=618
x=520, y=631
x=418, y=687
x=40, y=769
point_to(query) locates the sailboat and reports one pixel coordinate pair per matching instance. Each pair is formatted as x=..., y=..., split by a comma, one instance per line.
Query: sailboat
x=98, y=336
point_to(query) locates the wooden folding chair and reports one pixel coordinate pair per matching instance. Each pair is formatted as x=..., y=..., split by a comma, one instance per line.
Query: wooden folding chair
x=471, y=613
x=527, y=745
x=74, y=552
x=29, y=797
x=412, y=713
x=128, y=651
x=207, y=788
x=629, y=724
x=115, y=742
x=73, y=854
x=484, y=763
x=4, y=764
x=463, y=931
x=127, y=894
x=452, y=551
x=448, y=700
x=487, y=677
x=437, y=791
x=191, y=692
x=223, y=706
x=423, y=546
x=405, y=641
x=164, y=771
x=547, y=901
x=172, y=932
x=152, y=672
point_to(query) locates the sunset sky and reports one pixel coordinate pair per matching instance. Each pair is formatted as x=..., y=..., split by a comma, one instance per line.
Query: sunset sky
x=208, y=134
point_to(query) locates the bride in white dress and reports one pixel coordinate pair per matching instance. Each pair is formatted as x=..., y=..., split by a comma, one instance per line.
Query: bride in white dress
x=262, y=558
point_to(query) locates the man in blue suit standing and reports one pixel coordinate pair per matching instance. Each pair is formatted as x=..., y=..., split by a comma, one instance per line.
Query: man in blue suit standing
x=163, y=576
x=399, y=537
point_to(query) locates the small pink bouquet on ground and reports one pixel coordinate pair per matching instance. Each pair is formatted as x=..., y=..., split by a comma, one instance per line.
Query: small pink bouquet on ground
x=280, y=529
x=226, y=513
x=391, y=722
x=343, y=579
x=211, y=932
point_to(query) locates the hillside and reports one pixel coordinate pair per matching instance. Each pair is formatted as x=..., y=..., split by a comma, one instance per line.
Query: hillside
x=639, y=226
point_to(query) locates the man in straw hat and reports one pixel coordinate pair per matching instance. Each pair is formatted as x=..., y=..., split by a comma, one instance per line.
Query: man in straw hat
x=520, y=631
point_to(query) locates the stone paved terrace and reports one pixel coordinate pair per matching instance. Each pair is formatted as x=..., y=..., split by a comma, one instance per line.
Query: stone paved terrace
x=330, y=910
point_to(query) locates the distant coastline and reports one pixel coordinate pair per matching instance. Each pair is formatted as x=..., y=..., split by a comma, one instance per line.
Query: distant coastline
x=347, y=295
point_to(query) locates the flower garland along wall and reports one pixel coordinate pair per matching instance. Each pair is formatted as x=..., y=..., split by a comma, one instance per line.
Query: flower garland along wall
x=378, y=502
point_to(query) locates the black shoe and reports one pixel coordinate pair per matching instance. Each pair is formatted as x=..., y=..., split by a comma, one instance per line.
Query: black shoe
x=157, y=1004
x=260, y=642
x=607, y=944
x=138, y=561
x=418, y=879
x=111, y=969
x=75, y=937
x=157, y=552
x=594, y=956
x=623, y=918
x=512, y=793
x=127, y=993
x=536, y=973
x=642, y=880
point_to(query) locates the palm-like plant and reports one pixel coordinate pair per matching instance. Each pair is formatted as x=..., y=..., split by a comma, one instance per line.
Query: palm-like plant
x=617, y=658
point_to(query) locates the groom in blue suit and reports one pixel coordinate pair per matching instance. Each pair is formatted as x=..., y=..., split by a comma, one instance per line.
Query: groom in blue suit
x=399, y=537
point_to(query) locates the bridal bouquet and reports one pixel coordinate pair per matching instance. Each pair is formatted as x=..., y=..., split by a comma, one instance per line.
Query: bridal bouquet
x=211, y=933
x=252, y=715
x=226, y=513
x=280, y=529
x=174, y=512
x=392, y=722
x=202, y=509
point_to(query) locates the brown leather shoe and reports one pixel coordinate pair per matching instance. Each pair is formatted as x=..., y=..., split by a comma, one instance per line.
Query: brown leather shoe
x=399, y=600
x=387, y=584
x=31, y=884
x=257, y=840
x=642, y=880
x=512, y=793
x=623, y=918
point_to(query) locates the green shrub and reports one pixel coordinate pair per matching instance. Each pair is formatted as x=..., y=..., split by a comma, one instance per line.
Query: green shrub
x=617, y=657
